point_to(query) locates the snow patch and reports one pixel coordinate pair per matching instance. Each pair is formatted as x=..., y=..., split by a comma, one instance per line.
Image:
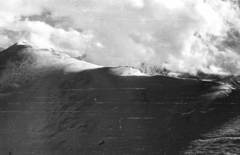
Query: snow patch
x=127, y=71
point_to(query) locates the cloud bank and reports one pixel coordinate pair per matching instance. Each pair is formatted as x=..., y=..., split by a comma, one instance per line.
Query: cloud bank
x=180, y=35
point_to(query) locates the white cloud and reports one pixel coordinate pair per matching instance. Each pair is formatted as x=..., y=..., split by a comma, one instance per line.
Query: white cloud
x=4, y=40
x=41, y=34
x=182, y=35
x=137, y=3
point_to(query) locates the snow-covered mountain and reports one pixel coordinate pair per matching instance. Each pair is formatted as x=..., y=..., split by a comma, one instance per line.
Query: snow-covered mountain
x=53, y=104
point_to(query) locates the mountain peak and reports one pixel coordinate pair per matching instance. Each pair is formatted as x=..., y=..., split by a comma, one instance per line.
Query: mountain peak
x=23, y=43
x=25, y=57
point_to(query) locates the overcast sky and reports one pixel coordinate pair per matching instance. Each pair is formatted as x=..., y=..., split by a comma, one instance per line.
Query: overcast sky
x=181, y=35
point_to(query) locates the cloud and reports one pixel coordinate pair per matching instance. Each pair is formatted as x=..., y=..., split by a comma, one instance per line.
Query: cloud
x=39, y=33
x=181, y=35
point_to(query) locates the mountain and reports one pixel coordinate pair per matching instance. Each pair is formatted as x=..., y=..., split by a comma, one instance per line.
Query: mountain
x=1, y=49
x=53, y=104
x=234, y=81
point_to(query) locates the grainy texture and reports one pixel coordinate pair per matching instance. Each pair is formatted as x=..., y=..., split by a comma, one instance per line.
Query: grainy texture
x=97, y=112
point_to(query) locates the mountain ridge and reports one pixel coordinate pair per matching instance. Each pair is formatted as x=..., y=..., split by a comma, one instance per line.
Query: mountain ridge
x=53, y=104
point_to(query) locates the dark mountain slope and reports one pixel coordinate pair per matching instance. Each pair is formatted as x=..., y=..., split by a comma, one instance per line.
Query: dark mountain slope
x=233, y=81
x=56, y=105
x=1, y=49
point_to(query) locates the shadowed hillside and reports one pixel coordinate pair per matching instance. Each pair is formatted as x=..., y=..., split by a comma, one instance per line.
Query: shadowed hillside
x=51, y=104
x=1, y=49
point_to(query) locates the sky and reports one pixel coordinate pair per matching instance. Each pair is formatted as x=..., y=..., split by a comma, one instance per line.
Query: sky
x=180, y=35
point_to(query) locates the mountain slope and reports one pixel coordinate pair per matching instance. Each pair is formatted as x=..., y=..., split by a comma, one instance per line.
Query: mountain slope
x=234, y=81
x=51, y=104
x=1, y=49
